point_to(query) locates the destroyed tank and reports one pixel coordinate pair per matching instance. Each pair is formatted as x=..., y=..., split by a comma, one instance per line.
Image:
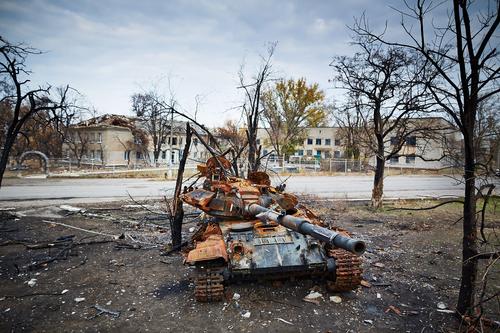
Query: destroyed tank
x=252, y=230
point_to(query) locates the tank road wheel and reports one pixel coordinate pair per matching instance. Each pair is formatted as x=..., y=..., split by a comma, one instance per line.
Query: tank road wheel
x=347, y=272
x=209, y=285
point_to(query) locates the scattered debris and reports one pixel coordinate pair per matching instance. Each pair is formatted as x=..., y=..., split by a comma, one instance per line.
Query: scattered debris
x=31, y=283
x=191, y=229
x=368, y=321
x=284, y=321
x=445, y=311
x=64, y=291
x=246, y=314
x=441, y=306
x=81, y=229
x=335, y=299
x=71, y=209
x=236, y=297
x=366, y=284
x=379, y=265
x=379, y=296
x=101, y=310
x=393, y=309
x=313, y=297
x=79, y=299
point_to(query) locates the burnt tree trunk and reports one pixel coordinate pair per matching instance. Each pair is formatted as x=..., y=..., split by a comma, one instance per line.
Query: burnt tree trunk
x=466, y=297
x=378, y=183
x=178, y=211
x=253, y=164
x=378, y=179
x=5, y=155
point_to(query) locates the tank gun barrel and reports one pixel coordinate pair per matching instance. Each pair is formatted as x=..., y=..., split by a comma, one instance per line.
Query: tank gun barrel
x=305, y=226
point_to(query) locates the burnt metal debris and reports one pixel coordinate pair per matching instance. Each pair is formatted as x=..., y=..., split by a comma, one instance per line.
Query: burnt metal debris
x=254, y=230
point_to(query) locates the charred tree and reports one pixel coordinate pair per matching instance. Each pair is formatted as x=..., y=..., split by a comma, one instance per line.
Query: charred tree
x=18, y=102
x=463, y=53
x=384, y=90
x=178, y=211
x=252, y=110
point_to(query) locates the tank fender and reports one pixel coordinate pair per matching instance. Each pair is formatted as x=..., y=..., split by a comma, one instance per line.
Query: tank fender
x=211, y=248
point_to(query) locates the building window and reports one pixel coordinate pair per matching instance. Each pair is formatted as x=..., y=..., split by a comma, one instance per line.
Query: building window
x=309, y=141
x=195, y=154
x=163, y=155
x=126, y=155
x=337, y=142
x=180, y=140
x=257, y=141
x=137, y=141
x=336, y=154
x=264, y=152
x=328, y=142
x=410, y=159
x=318, y=153
x=318, y=142
x=309, y=152
x=98, y=155
x=300, y=152
x=99, y=137
x=138, y=155
x=411, y=140
x=195, y=141
x=174, y=141
x=394, y=141
x=328, y=154
x=395, y=159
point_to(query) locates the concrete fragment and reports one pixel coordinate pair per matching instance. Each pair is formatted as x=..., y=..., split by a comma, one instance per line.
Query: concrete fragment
x=335, y=299
x=32, y=283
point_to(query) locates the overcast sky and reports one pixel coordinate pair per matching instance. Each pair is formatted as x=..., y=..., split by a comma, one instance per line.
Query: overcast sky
x=111, y=49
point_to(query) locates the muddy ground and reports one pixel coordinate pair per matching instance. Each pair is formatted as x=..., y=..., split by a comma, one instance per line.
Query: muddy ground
x=412, y=265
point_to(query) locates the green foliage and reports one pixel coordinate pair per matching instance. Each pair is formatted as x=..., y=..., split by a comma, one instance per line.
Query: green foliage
x=289, y=107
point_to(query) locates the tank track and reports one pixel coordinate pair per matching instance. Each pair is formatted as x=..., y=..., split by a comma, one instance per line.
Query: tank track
x=209, y=285
x=348, y=270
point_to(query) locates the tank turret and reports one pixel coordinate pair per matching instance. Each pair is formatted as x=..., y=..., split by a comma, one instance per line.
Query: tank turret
x=304, y=226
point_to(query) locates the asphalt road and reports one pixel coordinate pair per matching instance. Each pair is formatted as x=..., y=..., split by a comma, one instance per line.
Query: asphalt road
x=336, y=187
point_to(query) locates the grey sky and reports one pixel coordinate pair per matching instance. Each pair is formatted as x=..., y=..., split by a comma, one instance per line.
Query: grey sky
x=110, y=49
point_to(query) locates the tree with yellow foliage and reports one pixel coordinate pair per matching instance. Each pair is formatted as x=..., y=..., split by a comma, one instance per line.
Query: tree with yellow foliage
x=289, y=107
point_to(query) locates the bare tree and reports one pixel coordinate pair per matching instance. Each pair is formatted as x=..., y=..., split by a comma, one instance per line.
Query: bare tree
x=154, y=117
x=384, y=86
x=77, y=142
x=252, y=109
x=463, y=53
x=235, y=140
x=349, y=122
x=17, y=96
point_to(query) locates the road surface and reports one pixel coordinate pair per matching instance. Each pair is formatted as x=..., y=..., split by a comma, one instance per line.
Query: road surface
x=332, y=187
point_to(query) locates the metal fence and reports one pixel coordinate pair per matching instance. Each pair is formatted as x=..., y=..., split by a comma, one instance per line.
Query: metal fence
x=308, y=165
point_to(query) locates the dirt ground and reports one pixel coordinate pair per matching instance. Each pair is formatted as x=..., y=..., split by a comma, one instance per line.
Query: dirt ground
x=412, y=264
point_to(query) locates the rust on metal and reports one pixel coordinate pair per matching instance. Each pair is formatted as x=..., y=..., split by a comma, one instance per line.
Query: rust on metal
x=254, y=230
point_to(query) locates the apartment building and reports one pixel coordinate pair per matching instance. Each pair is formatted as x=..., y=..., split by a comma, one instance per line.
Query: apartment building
x=320, y=143
x=418, y=151
x=119, y=141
